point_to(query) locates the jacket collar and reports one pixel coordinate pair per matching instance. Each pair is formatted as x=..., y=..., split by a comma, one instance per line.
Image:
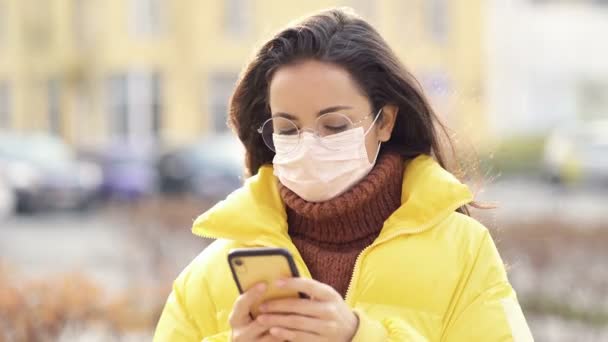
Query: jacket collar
x=255, y=214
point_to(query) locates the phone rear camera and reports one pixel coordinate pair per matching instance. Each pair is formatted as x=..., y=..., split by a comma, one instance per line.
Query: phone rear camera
x=238, y=262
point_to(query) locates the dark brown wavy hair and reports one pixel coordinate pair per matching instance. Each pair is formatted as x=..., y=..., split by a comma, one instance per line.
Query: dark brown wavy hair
x=340, y=37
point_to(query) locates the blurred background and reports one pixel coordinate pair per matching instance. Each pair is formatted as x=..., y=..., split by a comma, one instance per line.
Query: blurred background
x=113, y=138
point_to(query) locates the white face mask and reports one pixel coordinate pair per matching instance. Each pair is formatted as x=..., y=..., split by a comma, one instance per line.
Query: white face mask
x=317, y=172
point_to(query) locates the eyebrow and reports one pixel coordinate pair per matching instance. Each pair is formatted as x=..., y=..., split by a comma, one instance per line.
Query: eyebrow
x=321, y=112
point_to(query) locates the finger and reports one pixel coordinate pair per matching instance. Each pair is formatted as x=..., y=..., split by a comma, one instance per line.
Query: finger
x=311, y=287
x=242, y=305
x=294, y=322
x=294, y=336
x=255, y=329
x=303, y=307
x=267, y=337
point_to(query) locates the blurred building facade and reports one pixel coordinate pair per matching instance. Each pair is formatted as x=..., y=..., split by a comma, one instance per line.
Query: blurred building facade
x=549, y=70
x=94, y=71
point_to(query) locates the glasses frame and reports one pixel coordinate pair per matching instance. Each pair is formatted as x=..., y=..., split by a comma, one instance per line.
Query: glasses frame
x=260, y=130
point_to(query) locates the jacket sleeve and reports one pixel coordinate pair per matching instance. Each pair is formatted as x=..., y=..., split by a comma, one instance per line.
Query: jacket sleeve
x=176, y=323
x=486, y=308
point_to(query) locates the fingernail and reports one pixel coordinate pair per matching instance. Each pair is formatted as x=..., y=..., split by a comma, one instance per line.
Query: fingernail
x=280, y=283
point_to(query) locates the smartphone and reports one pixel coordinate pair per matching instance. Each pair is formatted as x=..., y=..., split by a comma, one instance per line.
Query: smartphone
x=251, y=266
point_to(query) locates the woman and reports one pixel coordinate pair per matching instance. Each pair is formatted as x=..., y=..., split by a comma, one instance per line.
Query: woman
x=347, y=173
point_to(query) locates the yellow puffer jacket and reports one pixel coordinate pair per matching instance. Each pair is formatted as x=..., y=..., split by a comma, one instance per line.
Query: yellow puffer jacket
x=431, y=275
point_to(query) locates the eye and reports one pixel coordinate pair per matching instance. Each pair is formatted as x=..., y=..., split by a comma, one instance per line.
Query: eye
x=288, y=131
x=336, y=128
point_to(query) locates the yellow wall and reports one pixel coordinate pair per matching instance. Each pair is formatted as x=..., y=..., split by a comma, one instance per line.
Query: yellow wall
x=194, y=44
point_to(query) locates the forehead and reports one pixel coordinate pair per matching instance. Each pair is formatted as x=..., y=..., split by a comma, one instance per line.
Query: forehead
x=310, y=86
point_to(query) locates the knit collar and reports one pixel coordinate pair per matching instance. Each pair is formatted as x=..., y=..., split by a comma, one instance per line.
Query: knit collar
x=354, y=215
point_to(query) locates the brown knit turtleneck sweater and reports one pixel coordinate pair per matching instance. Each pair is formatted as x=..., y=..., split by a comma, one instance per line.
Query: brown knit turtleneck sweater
x=331, y=234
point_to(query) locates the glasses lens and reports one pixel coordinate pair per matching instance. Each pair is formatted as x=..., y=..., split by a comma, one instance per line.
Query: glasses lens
x=332, y=123
x=329, y=129
x=280, y=132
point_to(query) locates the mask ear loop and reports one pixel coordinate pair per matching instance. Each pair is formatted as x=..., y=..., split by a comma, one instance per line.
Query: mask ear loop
x=373, y=122
x=379, y=142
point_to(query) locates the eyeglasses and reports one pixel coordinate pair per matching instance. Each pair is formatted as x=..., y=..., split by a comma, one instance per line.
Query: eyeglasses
x=326, y=125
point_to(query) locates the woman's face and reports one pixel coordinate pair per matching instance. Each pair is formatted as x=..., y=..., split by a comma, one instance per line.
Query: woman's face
x=303, y=91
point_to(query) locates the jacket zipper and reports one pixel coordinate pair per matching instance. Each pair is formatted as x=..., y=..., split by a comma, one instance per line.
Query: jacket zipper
x=355, y=274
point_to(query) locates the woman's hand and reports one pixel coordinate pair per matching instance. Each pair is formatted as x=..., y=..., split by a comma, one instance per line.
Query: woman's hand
x=244, y=329
x=324, y=317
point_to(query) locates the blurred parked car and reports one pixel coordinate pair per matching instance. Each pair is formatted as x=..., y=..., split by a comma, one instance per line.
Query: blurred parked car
x=578, y=153
x=44, y=173
x=210, y=169
x=129, y=172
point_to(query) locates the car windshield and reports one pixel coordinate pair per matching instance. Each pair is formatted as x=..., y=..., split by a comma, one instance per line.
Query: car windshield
x=40, y=150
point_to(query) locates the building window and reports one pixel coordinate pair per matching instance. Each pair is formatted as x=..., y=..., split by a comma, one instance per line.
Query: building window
x=237, y=17
x=437, y=19
x=221, y=86
x=5, y=105
x=54, y=106
x=146, y=17
x=3, y=22
x=135, y=106
x=145, y=103
x=156, y=104
x=118, y=106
